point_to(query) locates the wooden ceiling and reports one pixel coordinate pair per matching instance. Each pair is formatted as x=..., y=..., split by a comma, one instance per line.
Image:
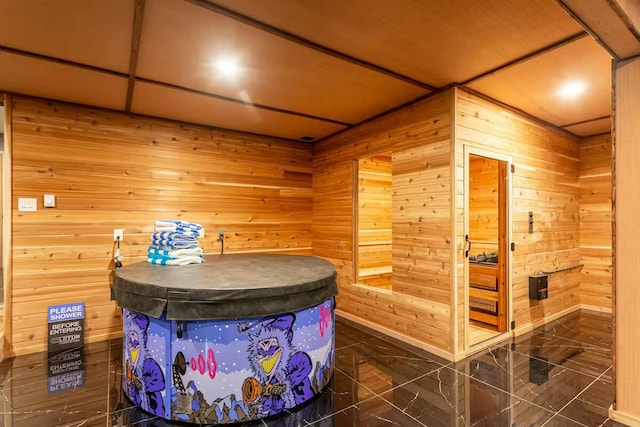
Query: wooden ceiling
x=308, y=68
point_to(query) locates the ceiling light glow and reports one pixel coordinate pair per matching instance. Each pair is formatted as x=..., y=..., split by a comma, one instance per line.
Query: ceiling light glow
x=572, y=89
x=227, y=67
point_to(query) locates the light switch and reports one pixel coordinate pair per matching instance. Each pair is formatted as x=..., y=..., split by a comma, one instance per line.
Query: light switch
x=27, y=204
x=49, y=201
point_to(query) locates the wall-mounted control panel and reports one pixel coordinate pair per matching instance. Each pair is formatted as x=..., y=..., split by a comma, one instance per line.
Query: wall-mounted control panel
x=539, y=287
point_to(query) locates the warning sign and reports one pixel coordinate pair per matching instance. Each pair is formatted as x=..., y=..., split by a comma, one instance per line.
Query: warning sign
x=66, y=327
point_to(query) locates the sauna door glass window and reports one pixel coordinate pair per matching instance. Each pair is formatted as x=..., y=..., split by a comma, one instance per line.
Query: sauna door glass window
x=373, y=224
x=486, y=243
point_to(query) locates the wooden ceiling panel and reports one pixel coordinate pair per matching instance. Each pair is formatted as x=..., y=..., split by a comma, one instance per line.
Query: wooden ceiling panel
x=532, y=86
x=46, y=79
x=436, y=42
x=180, y=42
x=595, y=127
x=303, y=60
x=601, y=19
x=91, y=32
x=162, y=101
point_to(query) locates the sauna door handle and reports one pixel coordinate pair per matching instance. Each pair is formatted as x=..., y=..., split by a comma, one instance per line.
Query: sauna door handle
x=467, y=245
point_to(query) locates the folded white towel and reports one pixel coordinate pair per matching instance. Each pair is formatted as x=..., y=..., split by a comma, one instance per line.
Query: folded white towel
x=175, y=244
x=173, y=253
x=176, y=261
x=193, y=232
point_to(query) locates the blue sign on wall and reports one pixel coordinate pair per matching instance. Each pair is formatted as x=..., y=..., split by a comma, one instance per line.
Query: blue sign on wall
x=62, y=312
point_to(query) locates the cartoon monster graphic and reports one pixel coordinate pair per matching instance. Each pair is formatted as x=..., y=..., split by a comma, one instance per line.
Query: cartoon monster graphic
x=143, y=376
x=281, y=372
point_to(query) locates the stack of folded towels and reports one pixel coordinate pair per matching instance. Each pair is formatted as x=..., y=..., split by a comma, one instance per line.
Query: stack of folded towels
x=174, y=243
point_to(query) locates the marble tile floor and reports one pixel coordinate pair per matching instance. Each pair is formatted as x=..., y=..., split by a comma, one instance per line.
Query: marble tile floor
x=558, y=375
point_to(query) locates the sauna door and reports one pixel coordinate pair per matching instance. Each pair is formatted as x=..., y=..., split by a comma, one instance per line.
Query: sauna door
x=485, y=251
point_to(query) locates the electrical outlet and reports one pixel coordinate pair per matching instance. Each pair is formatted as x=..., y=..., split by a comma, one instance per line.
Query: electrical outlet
x=118, y=234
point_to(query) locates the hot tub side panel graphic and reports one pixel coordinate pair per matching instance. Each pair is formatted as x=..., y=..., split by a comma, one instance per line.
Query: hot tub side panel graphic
x=146, y=342
x=227, y=371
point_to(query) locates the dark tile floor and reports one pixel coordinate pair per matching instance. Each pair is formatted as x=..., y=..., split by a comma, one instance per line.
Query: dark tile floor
x=559, y=375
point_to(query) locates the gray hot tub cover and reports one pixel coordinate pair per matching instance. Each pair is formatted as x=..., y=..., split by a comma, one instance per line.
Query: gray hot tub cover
x=226, y=286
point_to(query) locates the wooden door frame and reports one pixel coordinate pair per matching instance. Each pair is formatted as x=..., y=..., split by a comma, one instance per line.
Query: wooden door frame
x=507, y=267
x=7, y=242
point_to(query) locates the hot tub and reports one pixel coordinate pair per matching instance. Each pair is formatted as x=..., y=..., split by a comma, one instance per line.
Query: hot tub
x=236, y=338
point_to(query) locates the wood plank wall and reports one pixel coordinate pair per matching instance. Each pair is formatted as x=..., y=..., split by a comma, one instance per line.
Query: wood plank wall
x=419, y=137
x=483, y=205
x=626, y=240
x=595, y=222
x=421, y=222
x=110, y=170
x=546, y=181
x=374, y=220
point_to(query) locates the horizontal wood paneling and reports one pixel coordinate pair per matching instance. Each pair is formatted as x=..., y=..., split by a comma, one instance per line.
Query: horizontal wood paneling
x=418, y=136
x=374, y=221
x=110, y=170
x=421, y=221
x=595, y=221
x=546, y=181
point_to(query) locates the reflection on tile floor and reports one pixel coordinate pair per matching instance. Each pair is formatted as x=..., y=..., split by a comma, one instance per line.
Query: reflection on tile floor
x=559, y=375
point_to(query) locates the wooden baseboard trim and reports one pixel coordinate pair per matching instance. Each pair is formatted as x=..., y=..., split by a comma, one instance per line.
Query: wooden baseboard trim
x=520, y=330
x=435, y=350
x=622, y=417
x=476, y=348
x=596, y=308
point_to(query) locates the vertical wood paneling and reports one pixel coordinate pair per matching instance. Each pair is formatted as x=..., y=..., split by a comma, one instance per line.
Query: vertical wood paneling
x=626, y=238
x=545, y=182
x=419, y=137
x=110, y=170
x=7, y=239
x=595, y=221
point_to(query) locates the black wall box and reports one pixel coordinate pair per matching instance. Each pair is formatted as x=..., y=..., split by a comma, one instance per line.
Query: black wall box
x=539, y=287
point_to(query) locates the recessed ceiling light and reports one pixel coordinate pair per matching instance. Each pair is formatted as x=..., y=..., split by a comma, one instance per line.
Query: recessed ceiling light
x=572, y=89
x=227, y=67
